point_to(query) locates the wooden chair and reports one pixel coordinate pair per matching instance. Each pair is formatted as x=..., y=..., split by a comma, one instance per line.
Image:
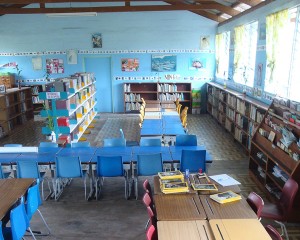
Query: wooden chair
x=178, y=108
x=177, y=102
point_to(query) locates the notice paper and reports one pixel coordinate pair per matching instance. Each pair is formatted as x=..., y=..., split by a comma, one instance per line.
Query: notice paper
x=224, y=180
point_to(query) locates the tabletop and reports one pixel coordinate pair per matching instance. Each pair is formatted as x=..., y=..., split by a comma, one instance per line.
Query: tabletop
x=178, y=230
x=233, y=210
x=237, y=229
x=178, y=207
x=11, y=190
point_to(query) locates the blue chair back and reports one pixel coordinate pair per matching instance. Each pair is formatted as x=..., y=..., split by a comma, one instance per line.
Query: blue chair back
x=33, y=200
x=13, y=145
x=68, y=167
x=193, y=160
x=186, y=140
x=122, y=133
x=19, y=221
x=1, y=233
x=149, y=164
x=114, y=142
x=109, y=166
x=80, y=144
x=1, y=172
x=150, y=142
x=48, y=144
x=28, y=169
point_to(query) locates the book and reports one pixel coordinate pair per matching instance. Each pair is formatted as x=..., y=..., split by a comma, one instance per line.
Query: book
x=174, y=180
x=176, y=187
x=170, y=175
x=204, y=187
x=225, y=197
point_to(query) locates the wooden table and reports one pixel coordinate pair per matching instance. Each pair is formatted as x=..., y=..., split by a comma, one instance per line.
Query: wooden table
x=157, y=189
x=11, y=190
x=195, y=179
x=178, y=230
x=234, y=210
x=237, y=229
x=179, y=207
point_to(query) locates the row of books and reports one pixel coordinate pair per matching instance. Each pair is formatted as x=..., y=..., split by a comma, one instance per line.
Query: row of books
x=230, y=113
x=166, y=87
x=241, y=121
x=132, y=106
x=171, y=96
x=231, y=100
x=133, y=97
x=277, y=172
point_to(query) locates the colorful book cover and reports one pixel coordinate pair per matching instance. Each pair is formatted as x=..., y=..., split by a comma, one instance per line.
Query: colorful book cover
x=204, y=187
x=170, y=175
x=225, y=197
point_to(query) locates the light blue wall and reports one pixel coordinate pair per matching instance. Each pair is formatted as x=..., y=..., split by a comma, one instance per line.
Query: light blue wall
x=179, y=31
x=260, y=16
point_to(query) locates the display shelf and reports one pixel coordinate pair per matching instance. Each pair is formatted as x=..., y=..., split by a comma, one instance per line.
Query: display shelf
x=238, y=114
x=15, y=109
x=274, y=149
x=72, y=109
x=162, y=92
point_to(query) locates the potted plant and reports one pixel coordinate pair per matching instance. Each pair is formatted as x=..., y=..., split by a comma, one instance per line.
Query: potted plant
x=49, y=124
x=18, y=76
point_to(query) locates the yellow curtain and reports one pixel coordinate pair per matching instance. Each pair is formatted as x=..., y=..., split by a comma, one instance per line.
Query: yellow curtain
x=219, y=40
x=275, y=23
x=239, y=34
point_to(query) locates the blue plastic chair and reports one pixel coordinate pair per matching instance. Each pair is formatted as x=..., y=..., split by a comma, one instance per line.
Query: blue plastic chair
x=32, y=205
x=114, y=142
x=80, y=144
x=147, y=142
x=109, y=166
x=48, y=144
x=128, y=143
x=13, y=145
x=186, y=140
x=66, y=169
x=193, y=160
x=19, y=223
x=147, y=165
x=1, y=233
x=3, y=174
x=30, y=169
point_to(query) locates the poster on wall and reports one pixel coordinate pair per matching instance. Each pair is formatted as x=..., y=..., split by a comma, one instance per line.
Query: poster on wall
x=259, y=74
x=197, y=64
x=163, y=63
x=37, y=63
x=72, y=56
x=97, y=40
x=55, y=65
x=204, y=43
x=9, y=65
x=130, y=64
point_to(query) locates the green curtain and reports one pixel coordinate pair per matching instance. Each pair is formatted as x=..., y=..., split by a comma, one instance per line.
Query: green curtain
x=275, y=23
x=219, y=41
x=239, y=35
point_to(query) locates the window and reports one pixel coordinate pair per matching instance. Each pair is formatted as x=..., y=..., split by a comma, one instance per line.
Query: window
x=245, y=40
x=222, y=54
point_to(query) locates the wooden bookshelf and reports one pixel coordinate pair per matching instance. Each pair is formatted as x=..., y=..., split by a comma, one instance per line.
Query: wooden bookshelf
x=15, y=109
x=162, y=92
x=271, y=163
x=240, y=115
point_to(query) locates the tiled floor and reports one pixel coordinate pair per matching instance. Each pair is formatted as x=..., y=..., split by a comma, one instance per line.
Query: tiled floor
x=113, y=217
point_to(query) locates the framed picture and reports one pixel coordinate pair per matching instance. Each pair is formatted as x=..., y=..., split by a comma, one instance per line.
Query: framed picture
x=72, y=56
x=2, y=89
x=37, y=63
x=163, y=63
x=197, y=64
x=55, y=66
x=204, y=43
x=130, y=64
x=97, y=40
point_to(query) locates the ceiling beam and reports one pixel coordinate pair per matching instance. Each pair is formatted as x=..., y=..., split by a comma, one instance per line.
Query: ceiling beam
x=82, y=1
x=222, y=8
x=250, y=2
x=13, y=10
x=208, y=15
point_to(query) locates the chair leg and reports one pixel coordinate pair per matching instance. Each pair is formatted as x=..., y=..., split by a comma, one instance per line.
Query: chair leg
x=283, y=230
x=136, y=188
x=42, y=217
x=84, y=182
x=147, y=224
x=29, y=229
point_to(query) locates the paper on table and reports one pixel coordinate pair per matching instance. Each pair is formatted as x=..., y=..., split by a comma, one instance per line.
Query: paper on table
x=224, y=180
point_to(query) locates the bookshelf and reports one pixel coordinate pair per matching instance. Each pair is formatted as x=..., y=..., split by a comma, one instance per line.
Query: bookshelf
x=72, y=106
x=274, y=155
x=240, y=115
x=8, y=80
x=15, y=109
x=163, y=92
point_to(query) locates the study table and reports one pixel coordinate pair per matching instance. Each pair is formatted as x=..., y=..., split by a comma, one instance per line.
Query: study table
x=11, y=190
x=237, y=229
x=178, y=207
x=179, y=230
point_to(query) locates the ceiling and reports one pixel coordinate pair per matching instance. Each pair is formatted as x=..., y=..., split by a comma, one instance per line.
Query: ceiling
x=220, y=11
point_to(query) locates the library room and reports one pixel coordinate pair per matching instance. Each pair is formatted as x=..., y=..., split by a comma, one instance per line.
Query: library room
x=183, y=123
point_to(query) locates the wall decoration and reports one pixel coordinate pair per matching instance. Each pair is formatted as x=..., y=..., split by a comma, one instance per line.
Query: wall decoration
x=72, y=56
x=259, y=74
x=97, y=40
x=9, y=65
x=55, y=66
x=37, y=63
x=204, y=43
x=197, y=64
x=163, y=63
x=130, y=64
